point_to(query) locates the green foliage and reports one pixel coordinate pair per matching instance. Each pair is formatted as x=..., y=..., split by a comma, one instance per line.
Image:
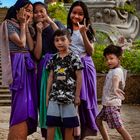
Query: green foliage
x=58, y=11
x=102, y=38
x=98, y=58
x=130, y=59
x=136, y=43
x=130, y=8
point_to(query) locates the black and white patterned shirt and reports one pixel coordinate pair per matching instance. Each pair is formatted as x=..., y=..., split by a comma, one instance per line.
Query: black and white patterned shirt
x=64, y=81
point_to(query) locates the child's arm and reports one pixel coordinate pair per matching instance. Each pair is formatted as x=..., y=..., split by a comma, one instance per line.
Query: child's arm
x=117, y=90
x=30, y=41
x=88, y=45
x=78, y=86
x=51, y=22
x=38, y=43
x=49, y=85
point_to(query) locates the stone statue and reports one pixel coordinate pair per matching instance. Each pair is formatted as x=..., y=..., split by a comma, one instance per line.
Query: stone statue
x=116, y=23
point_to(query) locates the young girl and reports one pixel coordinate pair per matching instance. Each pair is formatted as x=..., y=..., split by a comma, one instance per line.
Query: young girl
x=113, y=94
x=78, y=23
x=23, y=119
x=43, y=51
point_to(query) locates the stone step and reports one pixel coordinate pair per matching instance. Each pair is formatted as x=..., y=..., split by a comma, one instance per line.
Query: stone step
x=5, y=96
x=3, y=87
x=4, y=91
x=99, y=100
x=5, y=102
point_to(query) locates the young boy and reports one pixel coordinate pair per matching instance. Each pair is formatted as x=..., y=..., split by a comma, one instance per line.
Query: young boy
x=113, y=94
x=63, y=87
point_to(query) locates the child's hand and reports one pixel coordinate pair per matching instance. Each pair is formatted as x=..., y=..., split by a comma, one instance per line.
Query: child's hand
x=77, y=100
x=29, y=20
x=39, y=27
x=21, y=15
x=120, y=93
x=83, y=28
x=47, y=19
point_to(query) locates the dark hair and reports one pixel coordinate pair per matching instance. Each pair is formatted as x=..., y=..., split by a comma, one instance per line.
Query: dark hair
x=113, y=49
x=90, y=32
x=42, y=4
x=12, y=11
x=62, y=32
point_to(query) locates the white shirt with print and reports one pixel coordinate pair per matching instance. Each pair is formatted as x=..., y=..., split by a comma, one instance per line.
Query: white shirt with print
x=109, y=98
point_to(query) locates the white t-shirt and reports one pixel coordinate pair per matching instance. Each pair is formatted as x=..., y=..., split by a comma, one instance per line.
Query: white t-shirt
x=109, y=98
x=77, y=44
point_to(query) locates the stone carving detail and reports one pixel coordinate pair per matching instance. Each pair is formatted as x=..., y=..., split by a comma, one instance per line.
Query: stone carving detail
x=106, y=18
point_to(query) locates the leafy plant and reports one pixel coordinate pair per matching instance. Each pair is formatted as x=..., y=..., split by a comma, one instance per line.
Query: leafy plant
x=98, y=58
x=58, y=11
x=130, y=8
x=130, y=60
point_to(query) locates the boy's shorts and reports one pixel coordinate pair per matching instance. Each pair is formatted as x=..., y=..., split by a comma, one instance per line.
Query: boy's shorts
x=62, y=115
x=111, y=114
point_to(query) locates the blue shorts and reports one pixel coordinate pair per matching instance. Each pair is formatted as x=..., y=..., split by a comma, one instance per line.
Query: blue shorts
x=62, y=115
x=111, y=114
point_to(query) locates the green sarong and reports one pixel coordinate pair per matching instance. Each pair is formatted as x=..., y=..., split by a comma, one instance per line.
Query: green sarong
x=42, y=106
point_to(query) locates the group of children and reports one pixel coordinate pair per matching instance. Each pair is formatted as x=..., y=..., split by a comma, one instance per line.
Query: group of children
x=66, y=73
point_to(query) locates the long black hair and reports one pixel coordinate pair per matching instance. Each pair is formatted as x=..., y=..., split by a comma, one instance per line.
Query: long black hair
x=12, y=11
x=90, y=32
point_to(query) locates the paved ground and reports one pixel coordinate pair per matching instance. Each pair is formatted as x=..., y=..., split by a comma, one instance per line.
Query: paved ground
x=130, y=114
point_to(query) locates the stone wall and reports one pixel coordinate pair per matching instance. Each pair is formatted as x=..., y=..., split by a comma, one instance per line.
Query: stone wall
x=132, y=89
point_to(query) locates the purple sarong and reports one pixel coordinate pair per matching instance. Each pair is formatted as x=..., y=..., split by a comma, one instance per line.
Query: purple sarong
x=88, y=109
x=24, y=92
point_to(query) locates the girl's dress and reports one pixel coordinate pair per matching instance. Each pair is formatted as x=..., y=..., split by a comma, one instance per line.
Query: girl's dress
x=23, y=88
x=88, y=107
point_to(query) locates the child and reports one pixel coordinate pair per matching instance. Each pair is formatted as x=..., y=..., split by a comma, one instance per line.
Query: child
x=113, y=94
x=44, y=49
x=24, y=114
x=82, y=36
x=63, y=87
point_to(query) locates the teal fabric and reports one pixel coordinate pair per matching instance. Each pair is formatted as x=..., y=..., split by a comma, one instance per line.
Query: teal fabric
x=43, y=108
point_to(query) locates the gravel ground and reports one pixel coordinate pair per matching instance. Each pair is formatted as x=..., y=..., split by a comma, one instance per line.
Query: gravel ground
x=130, y=115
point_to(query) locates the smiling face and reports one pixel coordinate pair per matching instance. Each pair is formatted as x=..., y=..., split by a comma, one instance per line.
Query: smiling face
x=25, y=13
x=29, y=11
x=39, y=13
x=77, y=15
x=112, y=61
x=61, y=43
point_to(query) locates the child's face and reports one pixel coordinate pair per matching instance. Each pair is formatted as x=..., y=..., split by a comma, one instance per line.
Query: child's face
x=39, y=13
x=61, y=43
x=77, y=15
x=112, y=61
x=25, y=12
